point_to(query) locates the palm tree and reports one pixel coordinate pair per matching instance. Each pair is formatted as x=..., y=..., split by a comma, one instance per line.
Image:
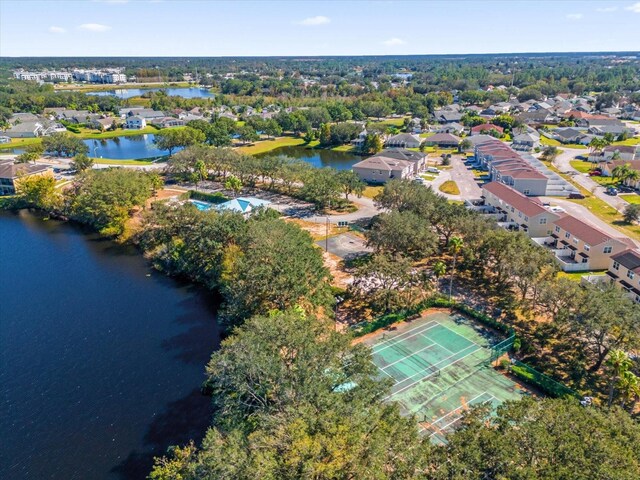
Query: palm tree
x=233, y=183
x=439, y=270
x=455, y=245
x=629, y=386
x=615, y=156
x=620, y=172
x=618, y=363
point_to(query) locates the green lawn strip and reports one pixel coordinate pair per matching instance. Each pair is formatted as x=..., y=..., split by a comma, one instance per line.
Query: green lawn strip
x=582, y=166
x=608, y=214
x=88, y=134
x=268, y=145
x=631, y=198
x=628, y=141
x=450, y=187
x=577, y=276
x=344, y=148
x=372, y=191
x=128, y=161
x=20, y=143
x=549, y=141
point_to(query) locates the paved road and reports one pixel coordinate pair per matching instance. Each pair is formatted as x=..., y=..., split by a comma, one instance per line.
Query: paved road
x=563, y=163
x=345, y=245
x=463, y=177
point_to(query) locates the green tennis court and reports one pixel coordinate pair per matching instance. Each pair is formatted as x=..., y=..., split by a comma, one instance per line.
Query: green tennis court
x=440, y=366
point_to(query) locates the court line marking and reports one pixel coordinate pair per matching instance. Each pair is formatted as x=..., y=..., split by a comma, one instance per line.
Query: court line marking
x=401, y=340
x=430, y=375
x=409, y=356
x=441, y=429
x=436, y=365
x=458, y=408
x=440, y=345
x=461, y=336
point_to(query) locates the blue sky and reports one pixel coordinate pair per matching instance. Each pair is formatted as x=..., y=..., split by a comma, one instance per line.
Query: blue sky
x=256, y=28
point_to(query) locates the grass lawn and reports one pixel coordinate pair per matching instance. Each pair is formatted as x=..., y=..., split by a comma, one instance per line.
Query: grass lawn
x=426, y=134
x=268, y=145
x=577, y=276
x=631, y=198
x=628, y=141
x=549, y=141
x=427, y=176
x=89, y=133
x=344, y=148
x=582, y=166
x=371, y=191
x=128, y=161
x=607, y=213
x=450, y=187
x=19, y=143
x=396, y=122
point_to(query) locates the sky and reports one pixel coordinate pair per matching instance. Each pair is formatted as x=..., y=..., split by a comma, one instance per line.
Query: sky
x=301, y=27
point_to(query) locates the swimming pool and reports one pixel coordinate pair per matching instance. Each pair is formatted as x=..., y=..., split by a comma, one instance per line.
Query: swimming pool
x=203, y=206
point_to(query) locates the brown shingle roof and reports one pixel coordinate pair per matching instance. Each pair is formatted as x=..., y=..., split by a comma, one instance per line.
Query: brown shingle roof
x=15, y=170
x=629, y=259
x=514, y=198
x=588, y=234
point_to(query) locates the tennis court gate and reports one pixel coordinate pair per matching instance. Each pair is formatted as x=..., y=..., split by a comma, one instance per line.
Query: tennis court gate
x=502, y=347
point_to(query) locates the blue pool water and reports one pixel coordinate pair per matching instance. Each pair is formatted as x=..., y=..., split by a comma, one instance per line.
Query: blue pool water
x=202, y=206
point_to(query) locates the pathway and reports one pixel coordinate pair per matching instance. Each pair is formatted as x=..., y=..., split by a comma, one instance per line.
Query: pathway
x=464, y=178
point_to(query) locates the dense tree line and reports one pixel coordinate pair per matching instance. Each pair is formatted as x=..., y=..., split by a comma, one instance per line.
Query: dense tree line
x=259, y=264
x=323, y=187
x=295, y=399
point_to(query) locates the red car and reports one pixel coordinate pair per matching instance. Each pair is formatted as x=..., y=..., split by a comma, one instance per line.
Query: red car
x=595, y=173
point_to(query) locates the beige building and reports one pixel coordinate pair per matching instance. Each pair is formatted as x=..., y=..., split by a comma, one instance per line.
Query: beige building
x=390, y=164
x=516, y=208
x=624, y=271
x=580, y=247
x=11, y=172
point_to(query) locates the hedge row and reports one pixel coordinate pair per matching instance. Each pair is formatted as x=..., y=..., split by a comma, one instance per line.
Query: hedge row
x=215, y=198
x=547, y=384
x=438, y=302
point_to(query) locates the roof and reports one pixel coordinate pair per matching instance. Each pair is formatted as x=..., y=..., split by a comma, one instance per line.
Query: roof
x=401, y=154
x=25, y=127
x=242, y=205
x=15, y=170
x=629, y=259
x=621, y=148
x=405, y=137
x=587, y=233
x=383, y=163
x=443, y=137
x=487, y=126
x=517, y=200
x=567, y=132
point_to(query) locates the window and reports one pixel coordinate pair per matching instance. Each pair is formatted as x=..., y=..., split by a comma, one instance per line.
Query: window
x=585, y=260
x=586, y=247
x=575, y=240
x=630, y=274
x=607, y=249
x=526, y=191
x=526, y=219
x=557, y=229
x=520, y=214
x=615, y=265
x=543, y=221
x=513, y=209
x=567, y=235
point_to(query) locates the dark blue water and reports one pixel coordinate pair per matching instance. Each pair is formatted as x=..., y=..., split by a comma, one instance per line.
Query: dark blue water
x=121, y=148
x=185, y=92
x=318, y=157
x=101, y=358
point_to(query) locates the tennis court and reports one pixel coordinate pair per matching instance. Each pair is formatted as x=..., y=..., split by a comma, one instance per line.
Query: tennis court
x=440, y=365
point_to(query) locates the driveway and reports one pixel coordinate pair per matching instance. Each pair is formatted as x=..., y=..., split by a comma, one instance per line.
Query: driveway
x=563, y=163
x=464, y=178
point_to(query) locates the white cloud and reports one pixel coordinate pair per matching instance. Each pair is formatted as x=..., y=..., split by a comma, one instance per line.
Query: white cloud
x=392, y=42
x=574, y=16
x=54, y=29
x=94, y=27
x=313, y=21
x=635, y=8
x=606, y=9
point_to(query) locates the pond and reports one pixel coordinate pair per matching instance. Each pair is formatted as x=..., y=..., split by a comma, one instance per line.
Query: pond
x=318, y=157
x=185, y=92
x=102, y=358
x=128, y=147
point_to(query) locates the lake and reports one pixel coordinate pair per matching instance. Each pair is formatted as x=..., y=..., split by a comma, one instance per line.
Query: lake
x=101, y=357
x=133, y=146
x=318, y=157
x=185, y=92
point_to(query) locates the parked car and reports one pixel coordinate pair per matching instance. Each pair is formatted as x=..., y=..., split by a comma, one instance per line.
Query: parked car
x=576, y=196
x=595, y=173
x=612, y=191
x=433, y=170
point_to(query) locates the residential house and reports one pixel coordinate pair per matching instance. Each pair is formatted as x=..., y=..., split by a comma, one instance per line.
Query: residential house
x=625, y=153
x=536, y=117
x=443, y=140
x=136, y=122
x=566, y=135
x=624, y=271
x=486, y=128
x=10, y=173
x=579, y=246
x=102, y=123
x=390, y=164
x=445, y=116
x=25, y=130
x=404, y=140
x=454, y=128
x=518, y=209
x=168, y=122
x=525, y=142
